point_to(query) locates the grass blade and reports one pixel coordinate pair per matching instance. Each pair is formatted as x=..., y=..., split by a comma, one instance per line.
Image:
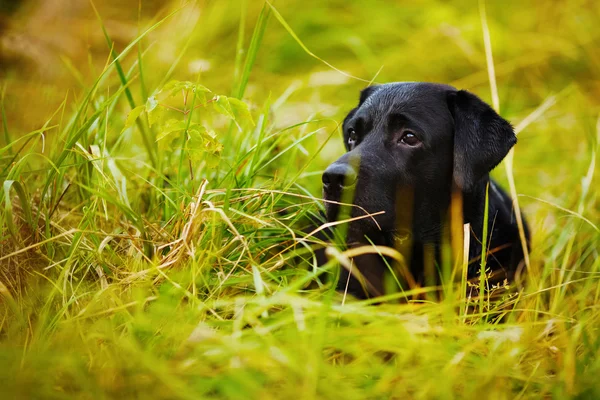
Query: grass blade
x=147, y=138
x=307, y=51
x=8, y=207
x=255, y=42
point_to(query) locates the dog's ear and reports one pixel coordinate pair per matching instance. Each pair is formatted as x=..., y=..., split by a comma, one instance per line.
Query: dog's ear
x=364, y=95
x=481, y=138
x=366, y=92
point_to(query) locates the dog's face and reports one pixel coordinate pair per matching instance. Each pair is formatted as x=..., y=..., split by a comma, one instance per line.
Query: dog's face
x=408, y=144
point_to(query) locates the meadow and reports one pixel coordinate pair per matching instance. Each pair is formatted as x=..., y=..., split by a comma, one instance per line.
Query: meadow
x=159, y=162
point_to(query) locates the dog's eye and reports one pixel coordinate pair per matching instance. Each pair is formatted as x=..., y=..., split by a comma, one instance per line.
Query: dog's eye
x=410, y=139
x=352, y=137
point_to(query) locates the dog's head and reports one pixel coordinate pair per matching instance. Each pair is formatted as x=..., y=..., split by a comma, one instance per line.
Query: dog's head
x=408, y=145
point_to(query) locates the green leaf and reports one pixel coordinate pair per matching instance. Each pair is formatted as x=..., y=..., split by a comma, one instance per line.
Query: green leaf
x=233, y=108
x=151, y=104
x=133, y=116
x=156, y=115
x=241, y=111
x=203, y=145
x=196, y=140
x=222, y=106
x=175, y=87
x=170, y=127
x=201, y=93
x=155, y=112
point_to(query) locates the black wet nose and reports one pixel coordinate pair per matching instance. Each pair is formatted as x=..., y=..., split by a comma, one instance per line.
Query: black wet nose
x=339, y=175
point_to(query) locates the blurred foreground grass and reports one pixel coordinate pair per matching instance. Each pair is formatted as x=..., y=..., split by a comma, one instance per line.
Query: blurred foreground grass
x=159, y=257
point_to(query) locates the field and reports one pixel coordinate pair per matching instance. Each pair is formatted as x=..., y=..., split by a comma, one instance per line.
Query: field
x=159, y=161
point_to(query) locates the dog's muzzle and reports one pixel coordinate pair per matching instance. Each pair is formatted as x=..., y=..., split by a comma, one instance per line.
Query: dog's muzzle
x=339, y=181
x=337, y=177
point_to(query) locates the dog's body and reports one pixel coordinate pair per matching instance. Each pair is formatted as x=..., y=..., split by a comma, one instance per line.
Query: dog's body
x=413, y=148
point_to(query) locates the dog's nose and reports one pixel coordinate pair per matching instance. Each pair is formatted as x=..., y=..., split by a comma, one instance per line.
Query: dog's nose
x=339, y=175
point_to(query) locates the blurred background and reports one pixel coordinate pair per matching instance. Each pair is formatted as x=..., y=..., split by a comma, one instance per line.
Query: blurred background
x=53, y=49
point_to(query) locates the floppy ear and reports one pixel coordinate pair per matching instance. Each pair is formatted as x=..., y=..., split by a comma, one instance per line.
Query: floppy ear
x=481, y=138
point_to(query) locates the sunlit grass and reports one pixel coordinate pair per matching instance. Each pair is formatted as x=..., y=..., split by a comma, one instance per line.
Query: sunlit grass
x=141, y=256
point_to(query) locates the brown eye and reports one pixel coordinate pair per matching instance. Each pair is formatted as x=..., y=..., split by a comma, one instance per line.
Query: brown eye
x=352, y=136
x=410, y=139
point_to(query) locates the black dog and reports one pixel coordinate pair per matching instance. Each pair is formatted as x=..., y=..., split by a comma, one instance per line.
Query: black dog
x=412, y=148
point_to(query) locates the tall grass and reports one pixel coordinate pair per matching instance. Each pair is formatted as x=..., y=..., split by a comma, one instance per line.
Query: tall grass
x=152, y=232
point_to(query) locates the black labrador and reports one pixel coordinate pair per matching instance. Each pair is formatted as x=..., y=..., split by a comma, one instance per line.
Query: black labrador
x=413, y=149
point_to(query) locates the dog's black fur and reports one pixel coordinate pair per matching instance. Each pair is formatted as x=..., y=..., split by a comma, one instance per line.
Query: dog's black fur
x=411, y=148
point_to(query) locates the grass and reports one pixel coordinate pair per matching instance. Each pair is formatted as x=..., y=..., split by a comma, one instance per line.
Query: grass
x=157, y=253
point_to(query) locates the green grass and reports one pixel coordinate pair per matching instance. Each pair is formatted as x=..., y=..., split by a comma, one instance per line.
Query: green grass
x=157, y=253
